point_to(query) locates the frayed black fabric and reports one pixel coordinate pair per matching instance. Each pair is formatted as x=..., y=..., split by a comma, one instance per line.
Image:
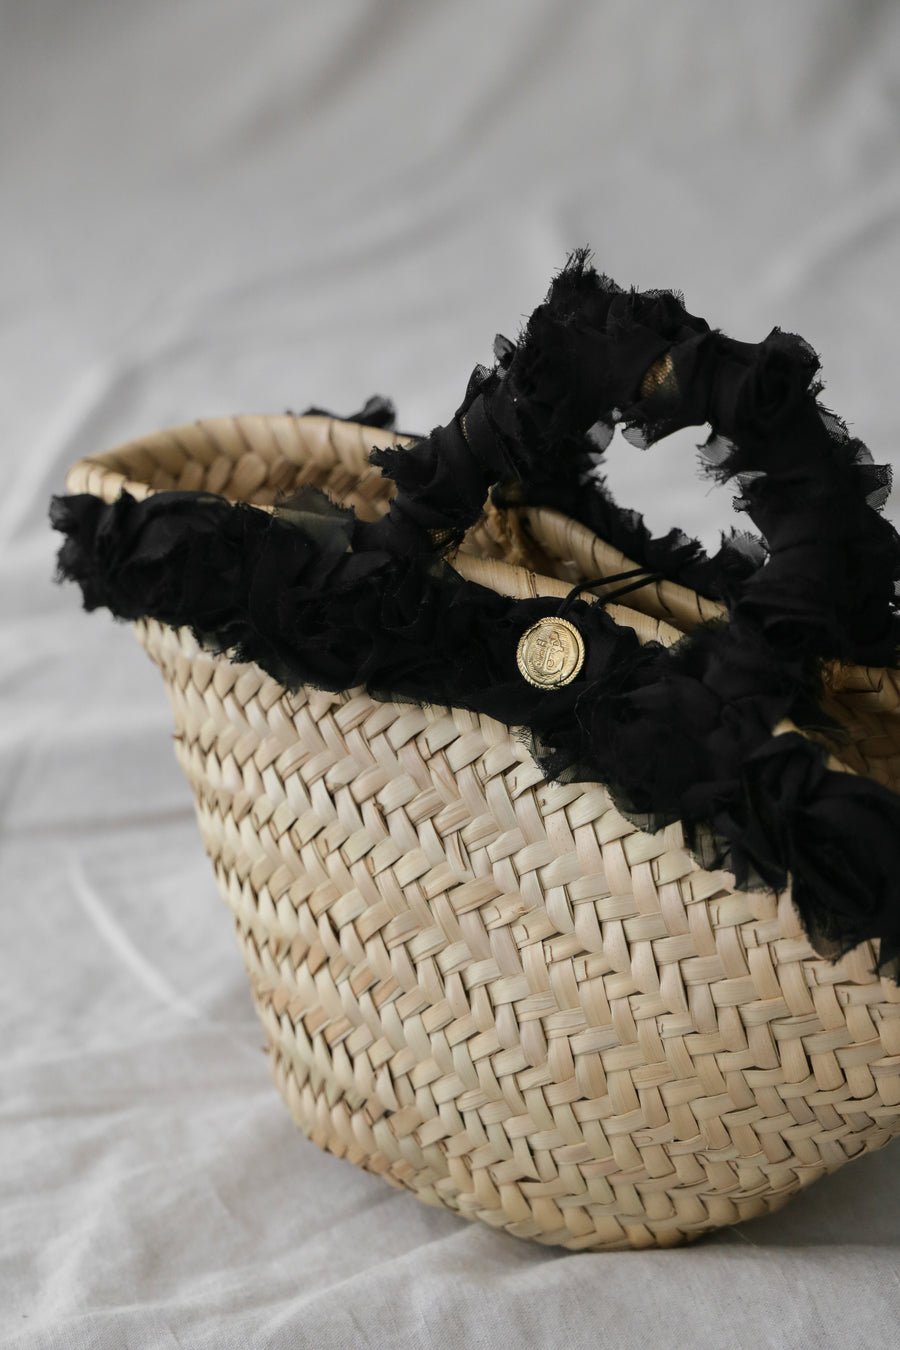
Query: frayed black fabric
x=377, y=411
x=828, y=573
x=316, y=597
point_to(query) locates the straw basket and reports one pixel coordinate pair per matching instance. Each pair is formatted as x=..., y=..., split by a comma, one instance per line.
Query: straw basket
x=487, y=989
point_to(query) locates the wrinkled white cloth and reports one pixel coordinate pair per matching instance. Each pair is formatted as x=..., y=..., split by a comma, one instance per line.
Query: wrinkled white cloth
x=214, y=207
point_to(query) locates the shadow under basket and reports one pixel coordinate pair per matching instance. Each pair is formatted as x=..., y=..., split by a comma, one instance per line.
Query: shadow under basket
x=490, y=990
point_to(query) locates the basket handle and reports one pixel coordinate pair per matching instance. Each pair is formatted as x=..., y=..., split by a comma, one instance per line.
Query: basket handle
x=594, y=355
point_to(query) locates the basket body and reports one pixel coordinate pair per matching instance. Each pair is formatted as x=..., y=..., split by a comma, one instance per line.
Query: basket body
x=500, y=994
x=494, y=991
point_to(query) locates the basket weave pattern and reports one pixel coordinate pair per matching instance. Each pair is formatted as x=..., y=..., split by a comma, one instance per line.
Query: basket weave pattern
x=491, y=990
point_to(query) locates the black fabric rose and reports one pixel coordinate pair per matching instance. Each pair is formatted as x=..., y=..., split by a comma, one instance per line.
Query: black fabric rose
x=835, y=834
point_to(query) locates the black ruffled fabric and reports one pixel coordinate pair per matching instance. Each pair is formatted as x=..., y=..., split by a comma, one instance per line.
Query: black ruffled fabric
x=377, y=411
x=315, y=596
x=830, y=576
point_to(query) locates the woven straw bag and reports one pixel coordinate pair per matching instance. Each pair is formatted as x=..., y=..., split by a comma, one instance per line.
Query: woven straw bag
x=490, y=989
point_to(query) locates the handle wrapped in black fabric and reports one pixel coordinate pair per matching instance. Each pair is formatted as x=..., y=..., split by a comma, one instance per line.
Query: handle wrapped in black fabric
x=593, y=355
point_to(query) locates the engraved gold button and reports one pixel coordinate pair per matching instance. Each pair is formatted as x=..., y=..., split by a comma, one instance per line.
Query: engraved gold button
x=550, y=653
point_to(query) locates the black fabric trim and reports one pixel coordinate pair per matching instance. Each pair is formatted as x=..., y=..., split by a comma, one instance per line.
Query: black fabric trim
x=315, y=596
x=377, y=411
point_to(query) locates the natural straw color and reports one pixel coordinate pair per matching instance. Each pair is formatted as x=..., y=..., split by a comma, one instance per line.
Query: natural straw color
x=491, y=990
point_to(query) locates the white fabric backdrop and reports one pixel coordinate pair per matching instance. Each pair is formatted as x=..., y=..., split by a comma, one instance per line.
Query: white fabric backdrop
x=215, y=207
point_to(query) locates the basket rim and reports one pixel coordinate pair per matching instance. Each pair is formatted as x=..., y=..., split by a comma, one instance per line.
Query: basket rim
x=334, y=441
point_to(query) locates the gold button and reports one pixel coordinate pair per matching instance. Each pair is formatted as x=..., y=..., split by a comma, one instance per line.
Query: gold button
x=550, y=653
